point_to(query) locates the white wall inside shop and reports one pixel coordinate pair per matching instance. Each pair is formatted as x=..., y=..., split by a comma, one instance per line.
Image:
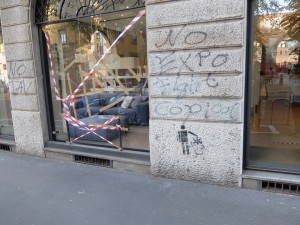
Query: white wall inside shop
x=196, y=88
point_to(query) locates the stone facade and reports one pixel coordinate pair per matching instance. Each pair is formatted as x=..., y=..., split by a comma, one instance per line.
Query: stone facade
x=196, y=67
x=25, y=78
x=196, y=58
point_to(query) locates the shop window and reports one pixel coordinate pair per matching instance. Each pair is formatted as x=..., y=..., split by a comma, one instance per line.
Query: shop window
x=6, y=126
x=115, y=99
x=275, y=87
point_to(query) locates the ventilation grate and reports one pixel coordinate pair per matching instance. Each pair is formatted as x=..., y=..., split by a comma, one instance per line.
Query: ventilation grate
x=281, y=187
x=92, y=161
x=5, y=147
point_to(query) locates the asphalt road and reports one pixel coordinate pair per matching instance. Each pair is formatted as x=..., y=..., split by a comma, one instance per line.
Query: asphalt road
x=35, y=191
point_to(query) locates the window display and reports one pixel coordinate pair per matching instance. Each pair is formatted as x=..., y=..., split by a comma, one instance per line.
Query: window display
x=275, y=86
x=6, y=126
x=102, y=74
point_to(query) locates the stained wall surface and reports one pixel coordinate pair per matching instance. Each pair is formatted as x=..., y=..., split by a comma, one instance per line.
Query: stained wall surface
x=196, y=54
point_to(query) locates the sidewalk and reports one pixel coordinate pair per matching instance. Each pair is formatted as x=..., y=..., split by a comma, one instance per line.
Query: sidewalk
x=36, y=191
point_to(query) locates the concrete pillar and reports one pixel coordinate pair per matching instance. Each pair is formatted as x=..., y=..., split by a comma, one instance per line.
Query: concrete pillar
x=196, y=54
x=25, y=77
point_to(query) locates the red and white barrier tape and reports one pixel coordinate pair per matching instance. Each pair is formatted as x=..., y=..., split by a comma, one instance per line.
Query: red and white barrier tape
x=71, y=120
x=139, y=16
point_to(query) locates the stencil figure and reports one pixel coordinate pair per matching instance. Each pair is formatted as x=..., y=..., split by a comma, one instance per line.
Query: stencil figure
x=183, y=138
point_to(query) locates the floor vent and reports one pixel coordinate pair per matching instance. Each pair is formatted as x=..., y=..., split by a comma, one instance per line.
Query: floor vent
x=5, y=147
x=92, y=161
x=281, y=187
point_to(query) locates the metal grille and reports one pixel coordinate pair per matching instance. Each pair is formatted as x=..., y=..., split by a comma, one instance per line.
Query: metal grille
x=92, y=161
x=55, y=10
x=5, y=147
x=281, y=187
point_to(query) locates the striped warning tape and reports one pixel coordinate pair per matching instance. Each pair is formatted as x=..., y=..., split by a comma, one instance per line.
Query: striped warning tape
x=71, y=98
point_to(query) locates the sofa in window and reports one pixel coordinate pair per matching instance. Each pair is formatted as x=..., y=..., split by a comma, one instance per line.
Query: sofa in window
x=137, y=112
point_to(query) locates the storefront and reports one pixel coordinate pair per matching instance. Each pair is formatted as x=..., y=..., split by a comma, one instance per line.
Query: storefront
x=157, y=87
x=6, y=126
x=116, y=91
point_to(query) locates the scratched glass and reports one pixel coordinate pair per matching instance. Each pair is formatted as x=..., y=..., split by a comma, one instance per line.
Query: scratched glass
x=6, y=126
x=275, y=87
x=118, y=86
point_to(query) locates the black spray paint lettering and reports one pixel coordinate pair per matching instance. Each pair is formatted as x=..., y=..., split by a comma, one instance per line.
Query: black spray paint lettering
x=17, y=69
x=184, y=87
x=174, y=63
x=211, y=82
x=202, y=55
x=169, y=38
x=184, y=64
x=19, y=86
x=164, y=64
x=190, y=38
x=168, y=109
x=194, y=38
x=220, y=60
x=193, y=109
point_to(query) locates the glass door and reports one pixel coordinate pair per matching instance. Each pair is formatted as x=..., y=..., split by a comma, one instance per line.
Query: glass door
x=275, y=86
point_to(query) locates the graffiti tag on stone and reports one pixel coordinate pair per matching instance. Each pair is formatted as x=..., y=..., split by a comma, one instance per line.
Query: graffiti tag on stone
x=189, y=142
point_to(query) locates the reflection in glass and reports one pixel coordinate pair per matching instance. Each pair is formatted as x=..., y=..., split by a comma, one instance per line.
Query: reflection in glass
x=6, y=126
x=118, y=87
x=53, y=10
x=275, y=88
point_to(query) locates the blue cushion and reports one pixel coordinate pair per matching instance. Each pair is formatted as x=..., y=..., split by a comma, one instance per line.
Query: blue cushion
x=128, y=112
x=103, y=101
x=92, y=99
x=106, y=133
x=94, y=110
x=137, y=100
x=81, y=113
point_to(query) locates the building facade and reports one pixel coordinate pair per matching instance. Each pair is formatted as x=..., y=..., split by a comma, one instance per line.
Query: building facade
x=195, y=90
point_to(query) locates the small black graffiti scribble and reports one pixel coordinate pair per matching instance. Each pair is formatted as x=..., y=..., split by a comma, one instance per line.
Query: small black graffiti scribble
x=189, y=141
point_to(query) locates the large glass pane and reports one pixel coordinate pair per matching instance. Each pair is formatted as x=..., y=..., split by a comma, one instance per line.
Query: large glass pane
x=118, y=86
x=275, y=98
x=6, y=126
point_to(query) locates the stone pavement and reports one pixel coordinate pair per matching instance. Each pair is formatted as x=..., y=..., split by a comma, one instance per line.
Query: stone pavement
x=38, y=191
